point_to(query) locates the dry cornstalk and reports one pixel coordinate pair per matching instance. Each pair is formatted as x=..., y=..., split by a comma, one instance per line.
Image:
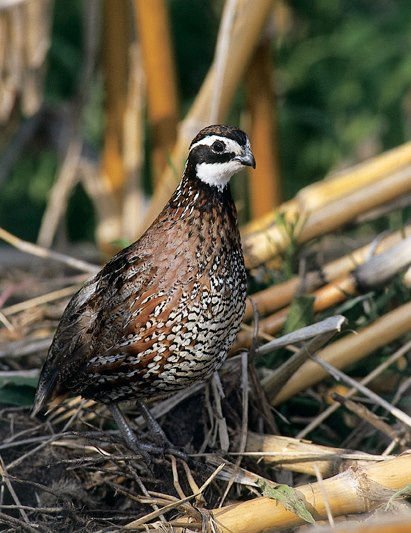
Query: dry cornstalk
x=156, y=49
x=60, y=192
x=25, y=40
x=388, y=523
x=39, y=251
x=36, y=42
x=115, y=51
x=302, y=456
x=264, y=239
x=272, y=298
x=252, y=16
x=40, y=300
x=118, y=196
x=374, y=374
x=277, y=296
x=133, y=147
x=325, y=297
x=338, y=185
x=116, y=40
x=265, y=185
x=357, y=490
x=349, y=350
x=407, y=278
x=335, y=214
x=375, y=272
x=365, y=414
x=376, y=399
x=281, y=375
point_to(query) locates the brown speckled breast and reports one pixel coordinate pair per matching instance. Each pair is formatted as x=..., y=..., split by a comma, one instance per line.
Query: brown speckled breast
x=162, y=313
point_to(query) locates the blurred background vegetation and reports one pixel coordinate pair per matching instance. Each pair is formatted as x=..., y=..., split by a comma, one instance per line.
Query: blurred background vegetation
x=341, y=73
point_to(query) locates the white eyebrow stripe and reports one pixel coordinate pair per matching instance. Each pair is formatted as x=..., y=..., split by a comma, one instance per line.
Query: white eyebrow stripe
x=231, y=145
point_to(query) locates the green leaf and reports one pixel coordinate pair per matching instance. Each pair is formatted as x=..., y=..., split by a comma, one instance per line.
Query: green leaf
x=405, y=492
x=288, y=497
x=301, y=313
x=21, y=395
x=120, y=243
x=17, y=389
x=30, y=381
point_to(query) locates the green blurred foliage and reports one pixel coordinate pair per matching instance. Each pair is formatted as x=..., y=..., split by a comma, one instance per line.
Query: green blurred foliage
x=23, y=197
x=194, y=26
x=342, y=74
x=17, y=390
x=65, y=55
x=343, y=77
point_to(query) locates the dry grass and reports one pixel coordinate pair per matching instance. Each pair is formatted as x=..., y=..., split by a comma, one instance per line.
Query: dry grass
x=71, y=471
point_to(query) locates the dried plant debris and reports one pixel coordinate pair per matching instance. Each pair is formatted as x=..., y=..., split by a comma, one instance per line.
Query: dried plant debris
x=71, y=470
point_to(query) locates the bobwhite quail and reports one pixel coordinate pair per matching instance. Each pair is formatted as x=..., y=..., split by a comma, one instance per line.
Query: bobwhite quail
x=164, y=312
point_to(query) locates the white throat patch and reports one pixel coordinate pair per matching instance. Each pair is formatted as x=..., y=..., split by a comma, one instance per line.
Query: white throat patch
x=217, y=174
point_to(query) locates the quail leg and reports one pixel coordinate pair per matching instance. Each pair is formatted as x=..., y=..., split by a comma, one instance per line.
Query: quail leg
x=152, y=424
x=157, y=432
x=145, y=450
x=130, y=437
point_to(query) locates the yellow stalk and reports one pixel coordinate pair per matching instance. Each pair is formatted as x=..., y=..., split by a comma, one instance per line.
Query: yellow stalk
x=349, y=350
x=269, y=241
x=277, y=296
x=156, y=48
x=344, y=494
x=303, y=456
x=265, y=182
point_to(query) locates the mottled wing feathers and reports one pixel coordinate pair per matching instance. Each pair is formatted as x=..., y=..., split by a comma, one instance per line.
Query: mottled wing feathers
x=93, y=323
x=68, y=346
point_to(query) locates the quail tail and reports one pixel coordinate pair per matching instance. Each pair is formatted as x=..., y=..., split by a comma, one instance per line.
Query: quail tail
x=45, y=389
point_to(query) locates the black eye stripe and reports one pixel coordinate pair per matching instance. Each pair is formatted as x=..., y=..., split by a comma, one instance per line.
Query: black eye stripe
x=205, y=154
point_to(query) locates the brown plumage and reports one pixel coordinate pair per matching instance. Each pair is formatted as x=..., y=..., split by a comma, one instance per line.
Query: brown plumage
x=163, y=313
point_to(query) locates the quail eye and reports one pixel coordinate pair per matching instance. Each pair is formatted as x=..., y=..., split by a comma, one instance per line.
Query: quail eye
x=218, y=146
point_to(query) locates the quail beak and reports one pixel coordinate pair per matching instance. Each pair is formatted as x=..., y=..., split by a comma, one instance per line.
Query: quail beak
x=247, y=158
